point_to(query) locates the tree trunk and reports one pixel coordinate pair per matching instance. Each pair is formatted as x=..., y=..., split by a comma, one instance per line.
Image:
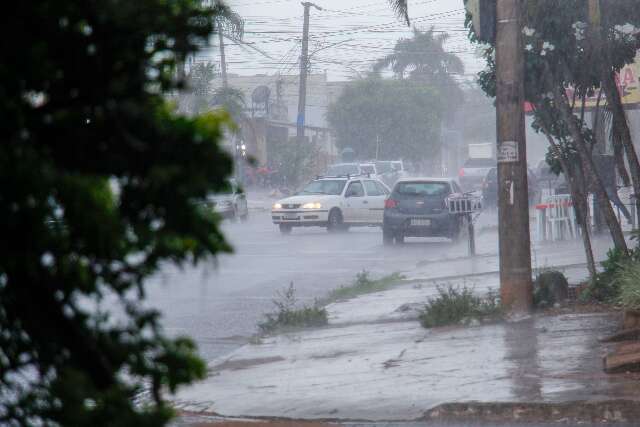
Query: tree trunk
x=618, y=152
x=587, y=163
x=579, y=196
x=620, y=125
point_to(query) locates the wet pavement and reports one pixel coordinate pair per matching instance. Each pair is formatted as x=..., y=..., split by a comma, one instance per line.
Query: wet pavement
x=399, y=370
x=219, y=303
x=374, y=361
x=199, y=421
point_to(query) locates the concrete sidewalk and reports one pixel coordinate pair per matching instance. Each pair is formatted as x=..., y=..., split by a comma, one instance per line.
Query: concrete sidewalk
x=373, y=364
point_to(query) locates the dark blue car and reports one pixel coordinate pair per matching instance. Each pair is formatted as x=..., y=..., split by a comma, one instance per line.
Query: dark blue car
x=417, y=207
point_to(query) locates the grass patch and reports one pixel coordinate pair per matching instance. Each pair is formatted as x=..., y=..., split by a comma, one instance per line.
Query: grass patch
x=287, y=316
x=455, y=305
x=607, y=285
x=363, y=284
x=628, y=282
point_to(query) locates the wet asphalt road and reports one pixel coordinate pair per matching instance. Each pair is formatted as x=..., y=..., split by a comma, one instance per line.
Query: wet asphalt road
x=220, y=303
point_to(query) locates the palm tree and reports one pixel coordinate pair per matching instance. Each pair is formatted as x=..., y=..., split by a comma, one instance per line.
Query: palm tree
x=401, y=7
x=227, y=24
x=230, y=99
x=199, y=78
x=423, y=58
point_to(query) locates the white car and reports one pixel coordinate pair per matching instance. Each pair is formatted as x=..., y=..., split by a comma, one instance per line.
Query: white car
x=335, y=203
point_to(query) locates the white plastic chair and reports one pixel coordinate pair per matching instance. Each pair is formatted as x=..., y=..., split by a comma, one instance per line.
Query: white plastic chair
x=560, y=217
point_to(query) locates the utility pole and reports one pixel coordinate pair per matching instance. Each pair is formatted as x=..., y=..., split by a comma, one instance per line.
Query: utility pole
x=516, y=289
x=223, y=62
x=304, y=59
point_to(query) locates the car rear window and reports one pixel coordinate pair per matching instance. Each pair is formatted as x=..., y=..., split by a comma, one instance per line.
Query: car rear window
x=428, y=189
x=480, y=163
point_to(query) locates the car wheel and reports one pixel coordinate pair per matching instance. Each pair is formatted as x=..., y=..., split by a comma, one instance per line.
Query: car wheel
x=285, y=228
x=387, y=237
x=399, y=238
x=334, y=223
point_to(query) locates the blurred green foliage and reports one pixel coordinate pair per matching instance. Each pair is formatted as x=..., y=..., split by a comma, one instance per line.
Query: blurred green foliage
x=101, y=183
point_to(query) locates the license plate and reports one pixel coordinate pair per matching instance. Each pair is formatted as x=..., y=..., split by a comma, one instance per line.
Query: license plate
x=290, y=217
x=421, y=222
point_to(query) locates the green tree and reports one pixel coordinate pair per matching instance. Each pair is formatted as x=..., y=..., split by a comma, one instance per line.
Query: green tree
x=423, y=58
x=231, y=100
x=388, y=118
x=561, y=50
x=200, y=78
x=294, y=162
x=101, y=184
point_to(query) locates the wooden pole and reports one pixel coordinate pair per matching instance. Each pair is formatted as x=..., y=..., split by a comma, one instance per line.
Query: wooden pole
x=513, y=198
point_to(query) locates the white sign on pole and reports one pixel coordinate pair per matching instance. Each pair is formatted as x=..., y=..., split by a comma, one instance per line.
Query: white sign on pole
x=508, y=152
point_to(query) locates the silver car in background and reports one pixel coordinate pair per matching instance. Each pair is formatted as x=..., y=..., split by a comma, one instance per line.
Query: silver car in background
x=473, y=173
x=231, y=204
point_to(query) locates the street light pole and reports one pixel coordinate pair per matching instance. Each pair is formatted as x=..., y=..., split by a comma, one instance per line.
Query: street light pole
x=513, y=204
x=304, y=59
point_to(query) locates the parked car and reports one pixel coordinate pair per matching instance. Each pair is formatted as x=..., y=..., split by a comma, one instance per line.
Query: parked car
x=473, y=173
x=398, y=166
x=336, y=203
x=417, y=207
x=231, y=204
x=389, y=171
x=369, y=169
x=490, y=187
x=344, y=169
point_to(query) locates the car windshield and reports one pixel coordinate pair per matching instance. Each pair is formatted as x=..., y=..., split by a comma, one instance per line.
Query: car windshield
x=428, y=189
x=324, y=186
x=480, y=163
x=343, y=169
x=368, y=169
x=384, y=167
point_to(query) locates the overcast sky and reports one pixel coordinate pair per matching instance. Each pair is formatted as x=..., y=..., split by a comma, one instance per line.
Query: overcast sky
x=362, y=31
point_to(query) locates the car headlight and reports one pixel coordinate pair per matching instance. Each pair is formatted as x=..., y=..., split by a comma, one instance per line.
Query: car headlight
x=277, y=206
x=311, y=206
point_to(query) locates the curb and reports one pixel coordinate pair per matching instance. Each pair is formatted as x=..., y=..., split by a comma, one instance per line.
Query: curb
x=415, y=279
x=619, y=411
x=478, y=413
